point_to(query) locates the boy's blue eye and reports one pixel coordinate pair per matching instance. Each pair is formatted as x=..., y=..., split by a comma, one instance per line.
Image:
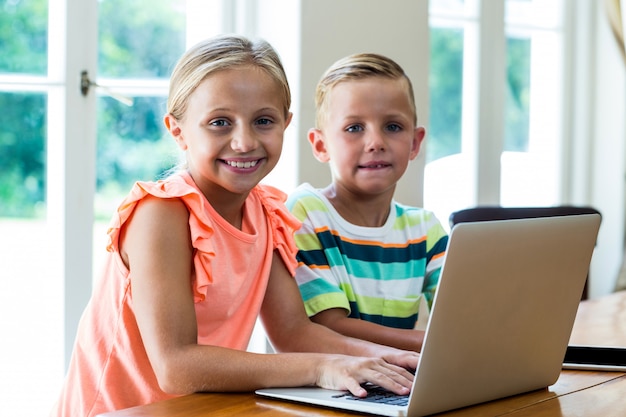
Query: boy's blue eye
x=264, y=121
x=394, y=127
x=354, y=128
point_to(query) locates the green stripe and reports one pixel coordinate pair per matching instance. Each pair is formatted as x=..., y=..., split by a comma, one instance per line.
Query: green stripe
x=389, y=308
x=302, y=206
x=385, y=271
x=312, y=289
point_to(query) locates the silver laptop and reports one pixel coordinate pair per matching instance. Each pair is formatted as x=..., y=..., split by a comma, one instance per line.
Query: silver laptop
x=501, y=318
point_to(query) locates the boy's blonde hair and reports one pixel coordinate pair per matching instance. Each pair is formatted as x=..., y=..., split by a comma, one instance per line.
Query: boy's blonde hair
x=222, y=53
x=357, y=67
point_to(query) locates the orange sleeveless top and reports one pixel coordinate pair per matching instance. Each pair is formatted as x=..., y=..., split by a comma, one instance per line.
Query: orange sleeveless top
x=109, y=369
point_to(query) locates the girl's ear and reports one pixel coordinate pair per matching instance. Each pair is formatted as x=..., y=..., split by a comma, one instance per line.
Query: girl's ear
x=316, y=139
x=418, y=138
x=174, y=128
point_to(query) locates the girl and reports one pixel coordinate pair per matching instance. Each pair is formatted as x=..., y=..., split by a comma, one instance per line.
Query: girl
x=193, y=259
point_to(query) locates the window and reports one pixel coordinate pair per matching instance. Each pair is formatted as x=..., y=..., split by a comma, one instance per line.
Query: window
x=48, y=199
x=135, y=57
x=30, y=290
x=494, y=138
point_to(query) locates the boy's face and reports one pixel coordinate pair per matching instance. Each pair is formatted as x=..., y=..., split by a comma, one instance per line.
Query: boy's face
x=368, y=135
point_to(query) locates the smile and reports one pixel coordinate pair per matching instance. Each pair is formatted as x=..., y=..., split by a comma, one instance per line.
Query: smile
x=375, y=166
x=241, y=164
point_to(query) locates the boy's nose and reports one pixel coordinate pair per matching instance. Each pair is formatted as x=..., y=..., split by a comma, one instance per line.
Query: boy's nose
x=375, y=142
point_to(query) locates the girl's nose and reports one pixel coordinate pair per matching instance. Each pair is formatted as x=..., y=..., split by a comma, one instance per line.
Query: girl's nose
x=243, y=140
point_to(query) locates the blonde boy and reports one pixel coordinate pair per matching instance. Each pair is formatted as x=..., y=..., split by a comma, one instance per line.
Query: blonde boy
x=366, y=262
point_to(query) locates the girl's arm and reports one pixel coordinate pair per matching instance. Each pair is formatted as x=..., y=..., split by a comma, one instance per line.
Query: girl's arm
x=155, y=245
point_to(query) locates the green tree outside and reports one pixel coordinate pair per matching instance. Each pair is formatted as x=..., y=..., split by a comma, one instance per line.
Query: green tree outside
x=23, y=50
x=138, y=39
x=143, y=39
x=446, y=92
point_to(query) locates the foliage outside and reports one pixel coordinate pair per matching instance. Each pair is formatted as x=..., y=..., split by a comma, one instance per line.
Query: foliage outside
x=138, y=39
x=142, y=39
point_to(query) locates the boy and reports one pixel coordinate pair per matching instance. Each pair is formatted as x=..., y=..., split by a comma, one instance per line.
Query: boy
x=367, y=265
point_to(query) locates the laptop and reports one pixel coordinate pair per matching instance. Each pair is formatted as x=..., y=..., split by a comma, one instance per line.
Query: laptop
x=501, y=317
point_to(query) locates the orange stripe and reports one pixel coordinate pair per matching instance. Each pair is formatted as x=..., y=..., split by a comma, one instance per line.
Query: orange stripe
x=369, y=242
x=439, y=255
x=314, y=266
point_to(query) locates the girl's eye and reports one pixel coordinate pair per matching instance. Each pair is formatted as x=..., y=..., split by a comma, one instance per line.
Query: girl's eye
x=354, y=128
x=219, y=123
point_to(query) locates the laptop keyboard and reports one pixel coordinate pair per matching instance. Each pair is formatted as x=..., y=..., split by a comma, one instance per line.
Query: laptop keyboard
x=379, y=395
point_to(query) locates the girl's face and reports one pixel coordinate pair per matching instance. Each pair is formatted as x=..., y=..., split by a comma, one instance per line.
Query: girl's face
x=232, y=131
x=368, y=135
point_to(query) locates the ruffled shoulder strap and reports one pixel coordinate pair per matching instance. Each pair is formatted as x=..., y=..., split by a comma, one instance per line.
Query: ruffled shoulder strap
x=283, y=224
x=178, y=186
x=173, y=187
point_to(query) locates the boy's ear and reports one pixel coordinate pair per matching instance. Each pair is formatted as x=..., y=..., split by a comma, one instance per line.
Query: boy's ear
x=288, y=119
x=174, y=128
x=418, y=138
x=316, y=139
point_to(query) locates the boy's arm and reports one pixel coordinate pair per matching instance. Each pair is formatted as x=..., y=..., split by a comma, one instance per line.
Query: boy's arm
x=289, y=328
x=336, y=319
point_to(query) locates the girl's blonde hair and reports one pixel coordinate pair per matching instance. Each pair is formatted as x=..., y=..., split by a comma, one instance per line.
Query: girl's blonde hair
x=356, y=67
x=222, y=53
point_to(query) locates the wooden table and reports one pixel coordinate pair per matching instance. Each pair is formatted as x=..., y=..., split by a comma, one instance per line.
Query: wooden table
x=576, y=393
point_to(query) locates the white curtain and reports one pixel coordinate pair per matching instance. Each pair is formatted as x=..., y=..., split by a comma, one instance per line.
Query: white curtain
x=616, y=13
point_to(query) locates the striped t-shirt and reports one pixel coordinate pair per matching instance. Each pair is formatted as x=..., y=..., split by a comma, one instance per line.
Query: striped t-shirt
x=378, y=274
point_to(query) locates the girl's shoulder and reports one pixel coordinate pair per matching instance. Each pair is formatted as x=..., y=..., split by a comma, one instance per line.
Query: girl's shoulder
x=157, y=195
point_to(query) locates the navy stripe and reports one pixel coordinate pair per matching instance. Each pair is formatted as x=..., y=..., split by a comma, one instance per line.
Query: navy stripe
x=396, y=322
x=440, y=247
x=372, y=253
x=312, y=257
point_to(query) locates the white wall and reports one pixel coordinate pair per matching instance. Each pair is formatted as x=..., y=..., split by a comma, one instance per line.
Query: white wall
x=400, y=32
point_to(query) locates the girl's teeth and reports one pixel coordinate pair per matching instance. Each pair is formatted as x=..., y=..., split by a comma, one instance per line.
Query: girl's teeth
x=240, y=164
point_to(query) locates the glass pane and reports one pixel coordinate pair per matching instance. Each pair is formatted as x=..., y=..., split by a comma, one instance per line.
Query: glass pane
x=22, y=155
x=140, y=38
x=446, y=91
x=133, y=145
x=24, y=35
x=517, y=95
x=531, y=163
x=30, y=290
